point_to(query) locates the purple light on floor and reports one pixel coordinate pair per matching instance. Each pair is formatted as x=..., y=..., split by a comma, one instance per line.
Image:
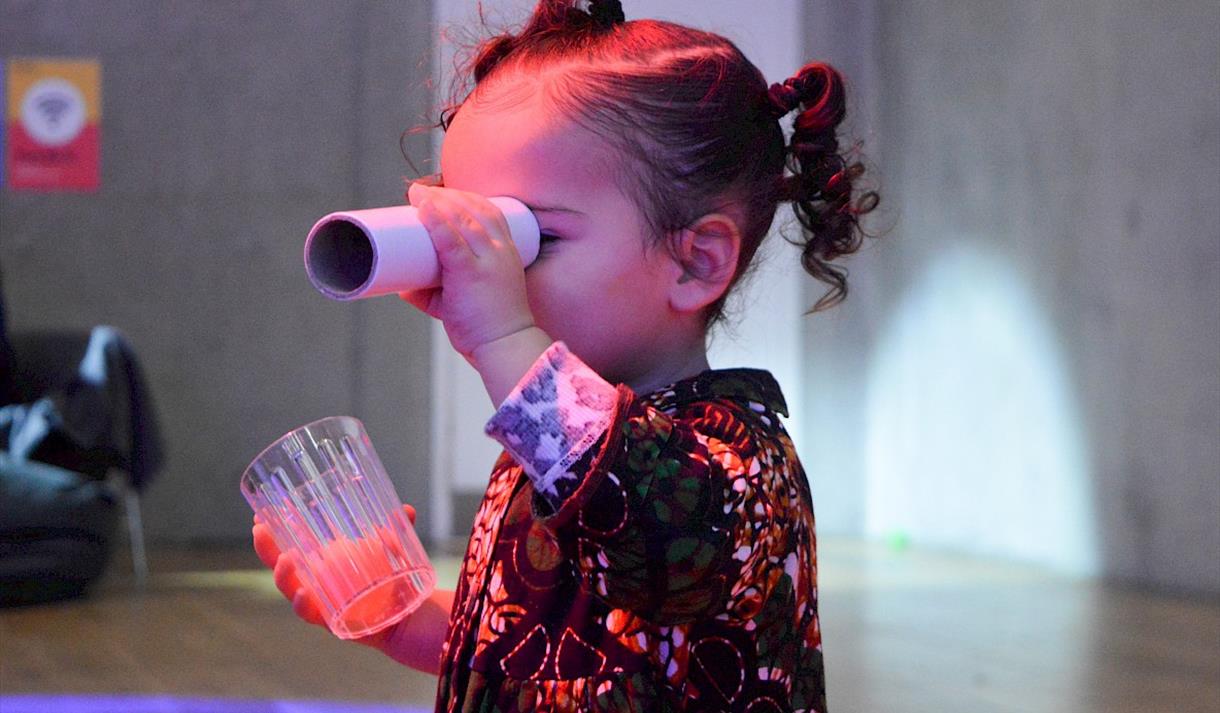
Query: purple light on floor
x=173, y=704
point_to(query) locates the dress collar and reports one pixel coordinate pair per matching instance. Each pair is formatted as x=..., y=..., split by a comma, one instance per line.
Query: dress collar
x=755, y=385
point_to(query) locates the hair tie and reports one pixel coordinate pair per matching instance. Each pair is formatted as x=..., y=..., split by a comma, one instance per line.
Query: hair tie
x=606, y=13
x=782, y=99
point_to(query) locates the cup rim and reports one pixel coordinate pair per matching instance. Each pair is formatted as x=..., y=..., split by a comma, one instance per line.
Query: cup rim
x=246, y=473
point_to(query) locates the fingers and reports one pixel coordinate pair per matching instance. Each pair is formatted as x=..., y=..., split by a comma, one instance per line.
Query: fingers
x=306, y=606
x=284, y=572
x=416, y=193
x=489, y=224
x=471, y=217
x=452, y=248
x=430, y=180
x=264, y=544
x=304, y=603
x=286, y=579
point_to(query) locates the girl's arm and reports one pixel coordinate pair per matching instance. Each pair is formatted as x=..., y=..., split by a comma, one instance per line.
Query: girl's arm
x=501, y=363
x=664, y=513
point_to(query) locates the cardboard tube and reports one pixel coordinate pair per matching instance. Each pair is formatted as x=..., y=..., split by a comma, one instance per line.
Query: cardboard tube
x=366, y=253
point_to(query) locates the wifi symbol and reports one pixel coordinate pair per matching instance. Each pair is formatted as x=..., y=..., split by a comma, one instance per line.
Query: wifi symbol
x=53, y=107
x=53, y=112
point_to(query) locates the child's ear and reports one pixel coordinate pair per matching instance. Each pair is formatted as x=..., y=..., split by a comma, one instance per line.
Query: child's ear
x=707, y=250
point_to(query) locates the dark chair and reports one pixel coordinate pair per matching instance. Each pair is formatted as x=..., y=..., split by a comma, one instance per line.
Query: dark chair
x=81, y=404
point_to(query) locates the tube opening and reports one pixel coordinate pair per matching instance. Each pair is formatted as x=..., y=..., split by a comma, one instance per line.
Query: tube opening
x=340, y=257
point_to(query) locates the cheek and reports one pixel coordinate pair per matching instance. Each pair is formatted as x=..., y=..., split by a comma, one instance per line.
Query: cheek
x=586, y=284
x=567, y=304
x=548, y=292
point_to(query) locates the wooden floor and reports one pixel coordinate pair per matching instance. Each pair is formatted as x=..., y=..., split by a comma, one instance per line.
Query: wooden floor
x=903, y=631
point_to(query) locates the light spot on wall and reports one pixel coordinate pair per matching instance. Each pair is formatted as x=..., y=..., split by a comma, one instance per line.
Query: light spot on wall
x=973, y=438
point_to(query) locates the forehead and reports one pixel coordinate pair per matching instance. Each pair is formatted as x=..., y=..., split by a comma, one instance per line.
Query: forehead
x=508, y=140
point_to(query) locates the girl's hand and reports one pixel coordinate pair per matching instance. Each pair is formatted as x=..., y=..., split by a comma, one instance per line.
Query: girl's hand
x=304, y=602
x=482, y=295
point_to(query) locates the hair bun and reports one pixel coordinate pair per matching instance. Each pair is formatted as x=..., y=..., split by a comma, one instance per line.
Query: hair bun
x=606, y=13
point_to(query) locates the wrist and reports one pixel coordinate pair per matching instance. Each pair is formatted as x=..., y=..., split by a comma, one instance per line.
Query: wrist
x=418, y=640
x=504, y=361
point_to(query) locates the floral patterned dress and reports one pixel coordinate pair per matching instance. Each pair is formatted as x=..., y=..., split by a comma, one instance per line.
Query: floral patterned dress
x=651, y=553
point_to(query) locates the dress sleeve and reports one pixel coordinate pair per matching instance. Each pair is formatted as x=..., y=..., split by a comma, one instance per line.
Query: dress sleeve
x=652, y=506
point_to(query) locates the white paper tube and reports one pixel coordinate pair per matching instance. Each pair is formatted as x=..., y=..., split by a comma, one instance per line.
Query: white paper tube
x=365, y=253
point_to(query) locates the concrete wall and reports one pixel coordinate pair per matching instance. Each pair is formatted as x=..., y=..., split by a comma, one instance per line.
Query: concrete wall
x=227, y=129
x=1043, y=321
x=1028, y=365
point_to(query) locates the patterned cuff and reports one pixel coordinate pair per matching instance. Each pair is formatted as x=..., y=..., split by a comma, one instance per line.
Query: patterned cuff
x=556, y=413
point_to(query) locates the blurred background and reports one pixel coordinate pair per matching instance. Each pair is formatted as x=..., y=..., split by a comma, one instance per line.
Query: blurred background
x=1011, y=427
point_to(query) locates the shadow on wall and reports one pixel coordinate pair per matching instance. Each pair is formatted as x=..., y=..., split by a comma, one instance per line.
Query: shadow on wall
x=973, y=435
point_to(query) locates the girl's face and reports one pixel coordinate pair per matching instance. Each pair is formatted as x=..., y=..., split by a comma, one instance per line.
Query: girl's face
x=595, y=284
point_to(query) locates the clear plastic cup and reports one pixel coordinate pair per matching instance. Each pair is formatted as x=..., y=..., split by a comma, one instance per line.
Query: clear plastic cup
x=324, y=494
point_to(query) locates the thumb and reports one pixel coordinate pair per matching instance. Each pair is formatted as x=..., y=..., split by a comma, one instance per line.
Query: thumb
x=426, y=300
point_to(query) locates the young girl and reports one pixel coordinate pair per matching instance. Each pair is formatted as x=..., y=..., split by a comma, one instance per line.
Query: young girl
x=646, y=541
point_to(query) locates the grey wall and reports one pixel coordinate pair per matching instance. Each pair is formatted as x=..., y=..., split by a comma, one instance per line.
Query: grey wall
x=1081, y=142
x=227, y=129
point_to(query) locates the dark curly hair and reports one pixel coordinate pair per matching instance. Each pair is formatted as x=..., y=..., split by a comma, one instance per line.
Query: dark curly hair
x=699, y=127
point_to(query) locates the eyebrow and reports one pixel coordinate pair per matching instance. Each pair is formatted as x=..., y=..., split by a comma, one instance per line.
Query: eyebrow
x=535, y=208
x=437, y=179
